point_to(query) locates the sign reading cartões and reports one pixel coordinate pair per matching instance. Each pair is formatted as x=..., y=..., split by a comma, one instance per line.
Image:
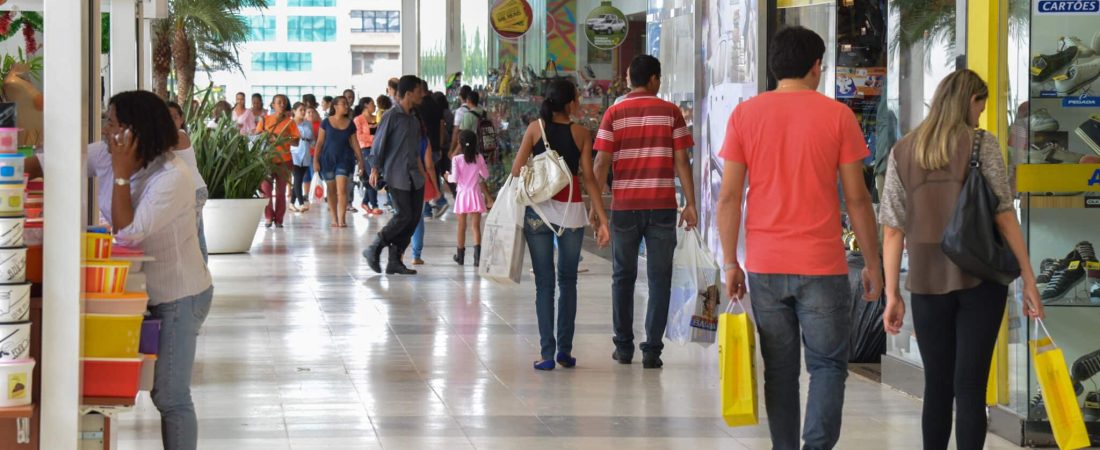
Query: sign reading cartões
x=1067, y=7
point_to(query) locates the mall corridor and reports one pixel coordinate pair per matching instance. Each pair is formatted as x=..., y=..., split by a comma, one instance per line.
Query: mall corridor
x=306, y=348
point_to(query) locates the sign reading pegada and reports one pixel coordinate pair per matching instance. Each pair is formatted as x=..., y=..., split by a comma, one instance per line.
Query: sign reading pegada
x=1067, y=7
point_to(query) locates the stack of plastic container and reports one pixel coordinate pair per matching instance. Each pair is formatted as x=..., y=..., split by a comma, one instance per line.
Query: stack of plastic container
x=16, y=364
x=112, y=322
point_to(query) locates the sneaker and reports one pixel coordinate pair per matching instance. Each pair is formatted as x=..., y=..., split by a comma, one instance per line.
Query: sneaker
x=1077, y=78
x=1084, y=369
x=622, y=357
x=1091, y=411
x=1037, y=409
x=1046, y=269
x=1087, y=252
x=1042, y=121
x=651, y=361
x=1052, y=153
x=1043, y=67
x=1083, y=51
x=1090, y=133
x=1064, y=279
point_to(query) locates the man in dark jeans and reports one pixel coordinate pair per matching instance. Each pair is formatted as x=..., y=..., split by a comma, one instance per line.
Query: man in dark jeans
x=646, y=140
x=798, y=271
x=396, y=152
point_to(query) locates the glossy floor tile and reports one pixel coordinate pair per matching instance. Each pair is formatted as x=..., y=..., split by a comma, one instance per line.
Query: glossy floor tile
x=306, y=348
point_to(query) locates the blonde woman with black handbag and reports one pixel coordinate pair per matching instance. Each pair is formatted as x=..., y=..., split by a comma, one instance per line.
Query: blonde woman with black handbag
x=957, y=312
x=560, y=219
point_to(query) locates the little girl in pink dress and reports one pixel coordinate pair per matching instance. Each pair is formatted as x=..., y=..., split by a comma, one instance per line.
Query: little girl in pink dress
x=469, y=172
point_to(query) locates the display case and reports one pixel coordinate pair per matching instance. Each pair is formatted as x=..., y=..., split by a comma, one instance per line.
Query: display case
x=1054, y=138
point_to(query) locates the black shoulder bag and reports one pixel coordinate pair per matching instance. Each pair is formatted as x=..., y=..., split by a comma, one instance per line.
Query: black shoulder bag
x=971, y=239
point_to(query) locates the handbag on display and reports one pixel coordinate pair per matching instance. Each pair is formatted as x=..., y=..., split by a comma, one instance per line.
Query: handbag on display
x=971, y=239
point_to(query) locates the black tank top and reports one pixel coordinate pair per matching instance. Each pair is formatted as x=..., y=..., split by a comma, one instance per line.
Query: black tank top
x=561, y=140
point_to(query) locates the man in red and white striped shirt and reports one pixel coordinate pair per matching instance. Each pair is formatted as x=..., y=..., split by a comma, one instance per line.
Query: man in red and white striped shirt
x=645, y=141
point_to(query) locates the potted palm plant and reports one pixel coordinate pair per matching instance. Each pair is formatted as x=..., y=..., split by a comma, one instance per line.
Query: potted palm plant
x=233, y=167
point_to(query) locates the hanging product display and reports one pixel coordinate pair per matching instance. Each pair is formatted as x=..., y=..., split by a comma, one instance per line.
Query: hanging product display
x=606, y=27
x=511, y=19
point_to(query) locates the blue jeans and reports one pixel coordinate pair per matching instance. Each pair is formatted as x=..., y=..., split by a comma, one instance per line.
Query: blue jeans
x=418, y=238
x=817, y=308
x=180, y=322
x=540, y=242
x=657, y=227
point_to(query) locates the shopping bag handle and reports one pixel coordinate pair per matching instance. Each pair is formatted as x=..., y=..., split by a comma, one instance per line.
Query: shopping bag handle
x=1041, y=326
x=732, y=303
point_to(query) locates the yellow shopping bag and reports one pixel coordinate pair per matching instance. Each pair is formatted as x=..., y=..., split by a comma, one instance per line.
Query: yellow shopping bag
x=1058, y=395
x=737, y=366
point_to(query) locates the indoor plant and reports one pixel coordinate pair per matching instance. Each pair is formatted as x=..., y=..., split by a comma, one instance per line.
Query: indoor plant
x=233, y=167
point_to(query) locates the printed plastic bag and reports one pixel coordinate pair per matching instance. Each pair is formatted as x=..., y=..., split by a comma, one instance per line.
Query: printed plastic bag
x=737, y=367
x=693, y=306
x=704, y=321
x=1058, y=395
x=503, y=242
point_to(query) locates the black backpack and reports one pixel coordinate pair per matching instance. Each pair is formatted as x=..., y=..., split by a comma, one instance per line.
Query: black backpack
x=486, y=135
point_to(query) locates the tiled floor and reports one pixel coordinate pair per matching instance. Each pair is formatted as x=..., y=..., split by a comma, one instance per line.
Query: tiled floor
x=306, y=348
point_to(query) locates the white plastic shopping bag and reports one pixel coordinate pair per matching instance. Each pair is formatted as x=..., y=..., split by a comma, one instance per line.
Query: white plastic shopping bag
x=685, y=288
x=704, y=321
x=502, y=241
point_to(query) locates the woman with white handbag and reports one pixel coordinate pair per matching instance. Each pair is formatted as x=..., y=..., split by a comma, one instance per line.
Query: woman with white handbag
x=553, y=157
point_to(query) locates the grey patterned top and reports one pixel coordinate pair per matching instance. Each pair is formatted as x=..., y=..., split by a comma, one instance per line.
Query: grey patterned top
x=892, y=211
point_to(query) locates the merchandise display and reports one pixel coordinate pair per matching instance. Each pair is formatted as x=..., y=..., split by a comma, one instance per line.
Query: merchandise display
x=1063, y=279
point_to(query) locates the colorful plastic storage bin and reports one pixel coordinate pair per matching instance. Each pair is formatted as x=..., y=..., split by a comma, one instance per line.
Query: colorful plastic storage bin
x=111, y=377
x=11, y=231
x=15, y=380
x=111, y=336
x=97, y=247
x=11, y=167
x=148, y=372
x=13, y=265
x=9, y=140
x=15, y=302
x=105, y=277
x=150, y=337
x=11, y=198
x=126, y=303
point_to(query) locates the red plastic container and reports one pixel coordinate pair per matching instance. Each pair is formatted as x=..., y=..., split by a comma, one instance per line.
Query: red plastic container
x=108, y=377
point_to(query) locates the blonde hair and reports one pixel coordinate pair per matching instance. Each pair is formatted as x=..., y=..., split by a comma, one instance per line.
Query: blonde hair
x=948, y=118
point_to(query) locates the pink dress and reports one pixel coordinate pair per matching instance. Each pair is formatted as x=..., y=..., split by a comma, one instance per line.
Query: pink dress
x=467, y=177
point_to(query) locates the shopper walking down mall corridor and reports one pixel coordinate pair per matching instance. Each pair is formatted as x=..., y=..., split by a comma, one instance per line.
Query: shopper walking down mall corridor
x=337, y=158
x=798, y=271
x=281, y=131
x=956, y=314
x=303, y=160
x=646, y=140
x=559, y=221
x=395, y=157
x=365, y=127
x=470, y=172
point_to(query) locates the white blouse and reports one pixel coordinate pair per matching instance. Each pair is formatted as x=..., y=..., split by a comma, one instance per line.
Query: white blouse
x=164, y=226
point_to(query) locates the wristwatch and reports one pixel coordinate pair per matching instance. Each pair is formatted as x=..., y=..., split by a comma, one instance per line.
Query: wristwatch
x=122, y=181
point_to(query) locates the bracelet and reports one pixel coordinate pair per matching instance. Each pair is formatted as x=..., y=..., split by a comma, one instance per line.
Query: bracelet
x=730, y=266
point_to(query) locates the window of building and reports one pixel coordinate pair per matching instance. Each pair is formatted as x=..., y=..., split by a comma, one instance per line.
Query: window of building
x=311, y=28
x=375, y=21
x=295, y=93
x=261, y=28
x=282, y=62
x=321, y=3
x=362, y=62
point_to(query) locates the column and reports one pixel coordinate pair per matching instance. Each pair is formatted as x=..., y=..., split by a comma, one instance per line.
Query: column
x=124, y=46
x=454, y=36
x=410, y=37
x=70, y=29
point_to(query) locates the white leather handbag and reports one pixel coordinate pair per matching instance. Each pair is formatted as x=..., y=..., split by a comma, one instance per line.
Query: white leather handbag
x=542, y=178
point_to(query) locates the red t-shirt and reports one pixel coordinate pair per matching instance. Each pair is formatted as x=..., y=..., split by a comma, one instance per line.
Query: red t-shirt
x=793, y=144
x=642, y=132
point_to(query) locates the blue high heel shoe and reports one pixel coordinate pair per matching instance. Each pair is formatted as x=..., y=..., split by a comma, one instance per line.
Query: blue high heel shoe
x=545, y=364
x=566, y=360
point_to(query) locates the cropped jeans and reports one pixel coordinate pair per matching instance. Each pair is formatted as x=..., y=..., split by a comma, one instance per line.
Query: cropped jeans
x=540, y=242
x=817, y=311
x=180, y=321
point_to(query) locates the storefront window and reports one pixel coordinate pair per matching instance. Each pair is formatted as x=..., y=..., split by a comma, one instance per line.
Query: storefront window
x=433, y=43
x=474, y=42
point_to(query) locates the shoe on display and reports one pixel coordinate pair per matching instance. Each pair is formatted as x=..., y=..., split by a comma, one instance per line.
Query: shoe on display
x=1084, y=369
x=1043, y=67
x=1037, y=410
x=1042, y=121
x=1091, y=410
x=1087, y=253
x=1046, y=269
x=1090, y=133
x=1052, y=153
x=1063, y=280
x=1077, y=78
x=1083, y=51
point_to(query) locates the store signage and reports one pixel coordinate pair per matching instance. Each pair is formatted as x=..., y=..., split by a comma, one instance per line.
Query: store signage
x=1068, y=6
x=1058, y=178
x=1083, y=101
x=511, y=19
x=606, y=27
x=1092, y=202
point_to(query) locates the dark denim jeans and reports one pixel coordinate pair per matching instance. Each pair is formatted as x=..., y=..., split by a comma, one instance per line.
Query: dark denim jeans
x=540, y=242
x=628, y=228
x=817, y=309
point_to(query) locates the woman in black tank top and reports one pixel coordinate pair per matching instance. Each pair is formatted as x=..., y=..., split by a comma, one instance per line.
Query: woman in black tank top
x=565, y=212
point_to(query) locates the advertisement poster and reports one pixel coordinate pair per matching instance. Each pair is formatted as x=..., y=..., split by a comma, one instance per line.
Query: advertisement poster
x=859, y=82
x=511, y=18
x=728, y=67
x=561, y=33
x=606, y=27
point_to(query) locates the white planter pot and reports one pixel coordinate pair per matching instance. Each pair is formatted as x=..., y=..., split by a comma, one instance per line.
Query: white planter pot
x=231, y=224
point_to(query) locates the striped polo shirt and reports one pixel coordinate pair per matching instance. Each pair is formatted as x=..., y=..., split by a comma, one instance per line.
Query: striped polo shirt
x=642, y=132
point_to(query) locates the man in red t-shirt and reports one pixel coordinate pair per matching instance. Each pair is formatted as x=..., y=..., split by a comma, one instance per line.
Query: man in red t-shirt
x=792, y=143
x=645, y=141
